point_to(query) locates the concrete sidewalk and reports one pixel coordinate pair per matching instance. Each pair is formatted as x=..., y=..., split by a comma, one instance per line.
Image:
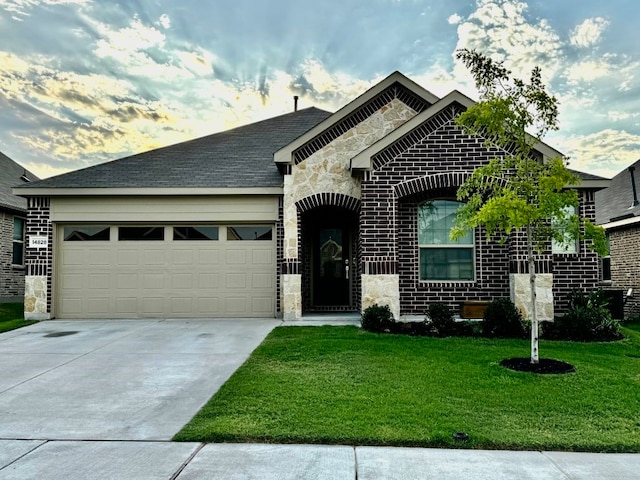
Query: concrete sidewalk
x=73, y=460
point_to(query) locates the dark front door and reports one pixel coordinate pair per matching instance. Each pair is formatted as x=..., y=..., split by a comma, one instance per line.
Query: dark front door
x=331, y=268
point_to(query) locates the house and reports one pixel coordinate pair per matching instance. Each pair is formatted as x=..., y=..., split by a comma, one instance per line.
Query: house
x=618, y=211
x=13, y=214
x=305, y=212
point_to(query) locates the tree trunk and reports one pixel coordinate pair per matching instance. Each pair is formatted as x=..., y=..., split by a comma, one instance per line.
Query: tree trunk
x=532, y=285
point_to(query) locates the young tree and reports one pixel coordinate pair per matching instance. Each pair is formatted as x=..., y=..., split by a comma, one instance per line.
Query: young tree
x=517, y=190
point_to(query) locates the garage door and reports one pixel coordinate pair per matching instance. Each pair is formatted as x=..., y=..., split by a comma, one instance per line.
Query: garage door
x=132, y=271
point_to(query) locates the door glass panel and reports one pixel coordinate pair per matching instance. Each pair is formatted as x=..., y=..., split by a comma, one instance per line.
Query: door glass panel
x=140, y=233
x=195, y=233
x=331, y=253
x=249, y=232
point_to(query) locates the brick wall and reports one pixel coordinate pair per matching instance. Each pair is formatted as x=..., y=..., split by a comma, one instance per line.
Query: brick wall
x=625, y=265
x=579, y=271
x=38, y=261
x=11, y=277
x=432, y=164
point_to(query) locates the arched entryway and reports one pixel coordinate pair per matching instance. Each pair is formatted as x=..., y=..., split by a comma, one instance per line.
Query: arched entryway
x=330, y=260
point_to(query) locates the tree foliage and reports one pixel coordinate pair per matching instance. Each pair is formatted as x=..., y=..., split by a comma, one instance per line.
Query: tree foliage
x=518, y=188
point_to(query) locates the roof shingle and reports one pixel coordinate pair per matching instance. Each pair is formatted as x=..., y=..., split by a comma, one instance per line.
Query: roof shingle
x=12, y=177
x=616, y=201
x=241, y=157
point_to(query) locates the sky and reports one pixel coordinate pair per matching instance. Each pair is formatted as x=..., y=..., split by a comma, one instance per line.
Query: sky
x=87, y=81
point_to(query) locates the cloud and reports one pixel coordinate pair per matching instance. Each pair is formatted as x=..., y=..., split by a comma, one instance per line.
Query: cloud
x=588, y=71
x=23, y=7
x=603, y=153
x=501, y=30
x=454, y=19
x=589, y=32
x=165, y=21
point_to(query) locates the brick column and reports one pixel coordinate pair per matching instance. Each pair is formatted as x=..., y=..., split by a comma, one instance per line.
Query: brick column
x=38, y=260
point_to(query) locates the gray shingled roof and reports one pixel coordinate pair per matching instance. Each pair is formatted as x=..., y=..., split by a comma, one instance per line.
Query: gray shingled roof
x=11, y=177
x=616, y=200
x=587, y=176
x=241, y=157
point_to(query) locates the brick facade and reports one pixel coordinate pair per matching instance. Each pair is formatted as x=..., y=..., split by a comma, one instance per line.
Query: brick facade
x=11, y=276
x=431, y=163
x=39, y=261
x=625, y=265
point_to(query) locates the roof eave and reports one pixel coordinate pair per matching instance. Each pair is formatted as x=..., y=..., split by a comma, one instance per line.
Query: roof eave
x=621, y=223
x=115, y=191
x=592, y=184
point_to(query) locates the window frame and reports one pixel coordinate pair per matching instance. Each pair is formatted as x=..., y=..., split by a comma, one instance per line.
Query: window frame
x=448, y=246
x=177, y=236
x=572, y=248
x=103, y=227
x=120, y=228
x=21, y=241
x=238, y=238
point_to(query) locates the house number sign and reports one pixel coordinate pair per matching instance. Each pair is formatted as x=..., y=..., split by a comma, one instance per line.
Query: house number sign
x=38, y=241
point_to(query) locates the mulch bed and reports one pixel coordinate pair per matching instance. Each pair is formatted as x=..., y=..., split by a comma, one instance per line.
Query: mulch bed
x=545, y=366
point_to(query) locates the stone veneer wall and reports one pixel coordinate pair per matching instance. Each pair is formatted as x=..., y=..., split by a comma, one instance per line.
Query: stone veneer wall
x=625, y=265
x=38, y=262
x=11, y=276
x=327, y=171
x=521, y=295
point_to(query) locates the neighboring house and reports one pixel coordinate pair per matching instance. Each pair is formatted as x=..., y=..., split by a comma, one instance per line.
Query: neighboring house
x=306, y=212
x=13, y=215
x=618, y=211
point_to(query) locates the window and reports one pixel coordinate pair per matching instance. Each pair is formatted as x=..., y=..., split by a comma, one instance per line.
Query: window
x=195, y=233
x=441, y=258
x=87, y=233
x=567, y=246
x=606, y=263
x=18, y=241
x=249, y=232
x=140, y=233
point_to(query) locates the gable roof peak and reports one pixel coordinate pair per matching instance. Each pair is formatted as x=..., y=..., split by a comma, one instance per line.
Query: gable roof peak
x=417, y=95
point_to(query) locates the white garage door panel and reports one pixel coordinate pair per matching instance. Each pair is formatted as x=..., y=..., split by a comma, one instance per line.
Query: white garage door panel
x=127, y=279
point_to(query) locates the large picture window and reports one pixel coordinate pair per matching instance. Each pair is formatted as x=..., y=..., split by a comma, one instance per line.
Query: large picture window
x=443, y=259
x=18, y=241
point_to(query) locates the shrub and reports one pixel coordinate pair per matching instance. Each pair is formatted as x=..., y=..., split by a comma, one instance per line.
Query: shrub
x=439, y=320
x=587, y=320
x=377, y=318
x=503, y=320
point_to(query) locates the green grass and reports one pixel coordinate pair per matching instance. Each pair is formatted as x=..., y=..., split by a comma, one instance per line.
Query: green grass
x=341, y=385
x=11, y=317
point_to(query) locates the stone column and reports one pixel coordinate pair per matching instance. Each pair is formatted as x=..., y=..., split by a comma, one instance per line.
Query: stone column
x=521, y=295
x=381, y=290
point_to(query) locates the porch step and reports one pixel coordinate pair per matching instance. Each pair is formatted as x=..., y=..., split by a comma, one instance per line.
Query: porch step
x=318, y=319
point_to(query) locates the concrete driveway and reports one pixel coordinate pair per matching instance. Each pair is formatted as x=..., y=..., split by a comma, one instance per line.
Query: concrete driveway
x=116, y=379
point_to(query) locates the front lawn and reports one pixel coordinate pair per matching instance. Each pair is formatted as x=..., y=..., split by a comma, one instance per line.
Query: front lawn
x=342, y=385
x=11, y=317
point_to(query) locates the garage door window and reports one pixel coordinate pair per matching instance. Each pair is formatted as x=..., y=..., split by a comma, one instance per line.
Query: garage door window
x=195, y=233
x=249, y=232
x=140, y=233
x=92, y=233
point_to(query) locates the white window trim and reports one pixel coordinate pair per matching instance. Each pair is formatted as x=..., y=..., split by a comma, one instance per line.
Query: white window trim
x=471, y=246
